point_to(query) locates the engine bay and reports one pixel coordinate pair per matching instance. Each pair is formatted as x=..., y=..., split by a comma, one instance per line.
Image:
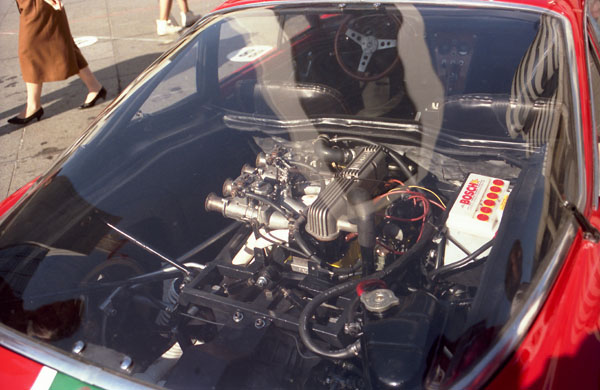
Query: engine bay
x=340, y=267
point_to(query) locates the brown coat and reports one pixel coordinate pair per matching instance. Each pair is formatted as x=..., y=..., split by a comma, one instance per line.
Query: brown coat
x=47, y=51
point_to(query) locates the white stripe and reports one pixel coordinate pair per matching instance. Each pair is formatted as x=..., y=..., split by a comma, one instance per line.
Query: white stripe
x=44, y=379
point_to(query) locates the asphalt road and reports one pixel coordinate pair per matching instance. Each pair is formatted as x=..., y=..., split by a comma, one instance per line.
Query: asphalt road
x=118, y=39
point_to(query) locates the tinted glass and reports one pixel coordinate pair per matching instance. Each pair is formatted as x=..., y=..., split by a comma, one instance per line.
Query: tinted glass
x=292, y=187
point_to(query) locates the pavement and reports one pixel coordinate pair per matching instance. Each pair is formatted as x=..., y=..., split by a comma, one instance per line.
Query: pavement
x=118, y=39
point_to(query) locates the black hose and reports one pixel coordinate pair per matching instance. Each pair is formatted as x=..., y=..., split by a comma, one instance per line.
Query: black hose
x=269, y=202
x=346, y=287
x=440, y=252
x=352, y=308
x=304, y=331
x=306, y=166
x=461, y=263
x=393, y=154
x=329, y=154
x=457, y=244
x=345, y=272
x=297, y=234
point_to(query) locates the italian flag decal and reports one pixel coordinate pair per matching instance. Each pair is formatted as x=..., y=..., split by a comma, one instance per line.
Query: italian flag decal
x=20, y=373
x=49, y=379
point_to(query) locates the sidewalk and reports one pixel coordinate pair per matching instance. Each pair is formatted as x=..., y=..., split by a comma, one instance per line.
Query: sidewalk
x=118, y=39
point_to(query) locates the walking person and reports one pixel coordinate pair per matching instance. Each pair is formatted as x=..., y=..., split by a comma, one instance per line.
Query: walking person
x=47, y=52
x=163, y=23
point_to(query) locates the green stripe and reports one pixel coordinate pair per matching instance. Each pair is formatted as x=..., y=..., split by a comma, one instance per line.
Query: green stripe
x=64, y=382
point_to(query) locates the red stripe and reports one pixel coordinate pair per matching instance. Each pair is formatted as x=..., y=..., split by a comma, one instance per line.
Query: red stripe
x=16, y=371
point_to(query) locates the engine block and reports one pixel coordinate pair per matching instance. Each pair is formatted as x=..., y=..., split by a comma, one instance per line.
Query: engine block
x=331, y=212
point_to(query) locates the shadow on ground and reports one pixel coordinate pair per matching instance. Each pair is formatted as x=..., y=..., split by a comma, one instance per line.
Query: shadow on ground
x=71, y=96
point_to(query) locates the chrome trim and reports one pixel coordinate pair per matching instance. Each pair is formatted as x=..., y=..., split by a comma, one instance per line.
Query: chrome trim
x=595, y=141
x=576, y=94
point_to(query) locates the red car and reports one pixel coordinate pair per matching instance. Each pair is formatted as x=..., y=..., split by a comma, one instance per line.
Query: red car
x=313, y=195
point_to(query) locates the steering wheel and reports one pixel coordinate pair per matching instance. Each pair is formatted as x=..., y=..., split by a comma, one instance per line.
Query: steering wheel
x=365, y=45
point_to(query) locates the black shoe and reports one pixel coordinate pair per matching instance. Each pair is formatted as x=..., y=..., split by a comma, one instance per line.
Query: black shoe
x=101, y=94
x=23, y=121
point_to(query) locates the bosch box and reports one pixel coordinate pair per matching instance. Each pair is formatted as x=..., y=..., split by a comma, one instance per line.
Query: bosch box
x=475, y=215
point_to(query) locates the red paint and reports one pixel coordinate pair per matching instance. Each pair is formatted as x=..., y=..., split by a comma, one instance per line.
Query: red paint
x=9, y=202
x=562, y=348
x=18, y=372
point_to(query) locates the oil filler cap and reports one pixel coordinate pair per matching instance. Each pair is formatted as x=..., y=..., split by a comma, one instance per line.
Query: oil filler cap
x=380, y=300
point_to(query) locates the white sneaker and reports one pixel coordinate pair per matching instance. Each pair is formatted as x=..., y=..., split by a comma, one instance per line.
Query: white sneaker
x=188, y=18
x=164, y=27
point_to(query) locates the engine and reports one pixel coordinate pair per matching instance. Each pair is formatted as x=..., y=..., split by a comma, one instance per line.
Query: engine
x=332, y=272
x=314, y=216
x=286, y=197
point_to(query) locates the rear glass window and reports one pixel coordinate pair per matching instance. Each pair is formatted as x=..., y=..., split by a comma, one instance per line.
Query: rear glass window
x=308, y=197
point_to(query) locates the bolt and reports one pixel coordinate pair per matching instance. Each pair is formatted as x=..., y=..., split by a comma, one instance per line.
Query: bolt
x=259, y=323
x=126, y=363
x=78, y=347
x=262, y=282
x=238, y=316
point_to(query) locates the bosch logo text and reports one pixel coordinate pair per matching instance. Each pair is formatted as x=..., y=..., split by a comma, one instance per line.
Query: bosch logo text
x=469, y=192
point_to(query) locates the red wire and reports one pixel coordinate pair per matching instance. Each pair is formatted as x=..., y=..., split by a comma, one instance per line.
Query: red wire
x=395, y=181
x=390, y=249
x=437, y=204
x=415, y=196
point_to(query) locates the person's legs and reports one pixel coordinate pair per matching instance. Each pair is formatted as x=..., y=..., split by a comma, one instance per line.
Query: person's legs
x=33, y=110
x=34, y=95
x=91, y=82
x=183, y=6
x=163, y=24
x=187, y=17
x=164, y=9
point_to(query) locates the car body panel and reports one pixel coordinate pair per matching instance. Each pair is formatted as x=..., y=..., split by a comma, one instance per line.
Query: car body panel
x=9, y=202
x=561, y=349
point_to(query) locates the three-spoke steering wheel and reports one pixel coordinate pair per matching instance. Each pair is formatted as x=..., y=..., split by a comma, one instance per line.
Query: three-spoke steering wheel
x=365, y=45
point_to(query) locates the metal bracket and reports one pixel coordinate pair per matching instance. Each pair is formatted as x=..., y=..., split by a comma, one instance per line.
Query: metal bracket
x=590, y=233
